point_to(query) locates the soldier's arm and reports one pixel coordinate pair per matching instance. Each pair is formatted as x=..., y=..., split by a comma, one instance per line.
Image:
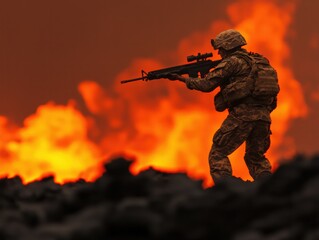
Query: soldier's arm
x=212, y=80
x=215, y=78
x=206, y=84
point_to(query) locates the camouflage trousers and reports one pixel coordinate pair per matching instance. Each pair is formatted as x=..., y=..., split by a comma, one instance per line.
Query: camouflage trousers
x=230, y=136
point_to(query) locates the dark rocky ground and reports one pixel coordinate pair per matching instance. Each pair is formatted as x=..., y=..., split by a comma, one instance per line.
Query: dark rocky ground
x=156, y=205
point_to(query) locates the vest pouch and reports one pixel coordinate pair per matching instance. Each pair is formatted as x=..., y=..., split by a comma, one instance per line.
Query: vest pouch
x=266, y=79
x=266, y=83
x=237, y=90
x=220, y=103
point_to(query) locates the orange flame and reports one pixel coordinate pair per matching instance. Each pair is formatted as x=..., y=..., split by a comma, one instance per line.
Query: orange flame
x=162, y=123
x=53, y=141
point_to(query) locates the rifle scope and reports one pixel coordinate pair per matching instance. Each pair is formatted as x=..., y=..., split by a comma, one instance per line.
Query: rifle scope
x=199, y=57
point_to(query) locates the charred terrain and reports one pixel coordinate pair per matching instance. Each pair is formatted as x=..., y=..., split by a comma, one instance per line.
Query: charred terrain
x=158, y=205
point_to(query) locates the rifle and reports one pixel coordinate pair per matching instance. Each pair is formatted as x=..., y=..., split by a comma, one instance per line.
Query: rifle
x=202, y=66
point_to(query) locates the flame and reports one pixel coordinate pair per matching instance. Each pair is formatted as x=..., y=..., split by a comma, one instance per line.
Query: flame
x=53, y=141
x=162, y=123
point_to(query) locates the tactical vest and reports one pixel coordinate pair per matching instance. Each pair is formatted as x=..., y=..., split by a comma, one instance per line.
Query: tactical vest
x=260, y=87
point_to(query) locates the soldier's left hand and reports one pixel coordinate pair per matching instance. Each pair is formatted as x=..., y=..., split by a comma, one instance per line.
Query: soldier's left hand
x=173, y=77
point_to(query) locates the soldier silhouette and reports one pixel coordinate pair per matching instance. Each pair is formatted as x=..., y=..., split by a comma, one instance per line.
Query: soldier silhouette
x=248, y=90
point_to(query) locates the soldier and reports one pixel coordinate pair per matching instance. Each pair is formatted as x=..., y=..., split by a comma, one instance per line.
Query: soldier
x=249, y=113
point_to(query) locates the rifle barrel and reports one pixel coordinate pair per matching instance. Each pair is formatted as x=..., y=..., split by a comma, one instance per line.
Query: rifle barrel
x=132, y=80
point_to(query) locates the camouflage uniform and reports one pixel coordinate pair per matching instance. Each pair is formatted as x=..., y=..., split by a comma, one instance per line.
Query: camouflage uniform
x=247, y=121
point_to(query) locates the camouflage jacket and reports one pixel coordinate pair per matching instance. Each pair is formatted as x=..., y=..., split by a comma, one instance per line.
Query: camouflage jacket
x=226, y=71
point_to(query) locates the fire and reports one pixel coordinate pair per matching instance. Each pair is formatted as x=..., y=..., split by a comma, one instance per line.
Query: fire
x=161, y=123
x=53, y=141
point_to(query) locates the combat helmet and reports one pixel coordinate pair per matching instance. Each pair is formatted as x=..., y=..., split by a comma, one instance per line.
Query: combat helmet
x=228, y=40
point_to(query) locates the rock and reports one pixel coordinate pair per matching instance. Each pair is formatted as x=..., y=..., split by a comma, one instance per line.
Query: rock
x=159, y=205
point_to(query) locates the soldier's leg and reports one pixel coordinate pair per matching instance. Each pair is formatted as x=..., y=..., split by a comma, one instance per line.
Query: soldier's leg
x=257, y=145
x=226, y=140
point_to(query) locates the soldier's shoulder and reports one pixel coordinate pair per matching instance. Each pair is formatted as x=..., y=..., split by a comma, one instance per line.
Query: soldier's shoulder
x=227, y=61
x=259, y=58
x=233, y=61
x=222, y=64
x=234, y=58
